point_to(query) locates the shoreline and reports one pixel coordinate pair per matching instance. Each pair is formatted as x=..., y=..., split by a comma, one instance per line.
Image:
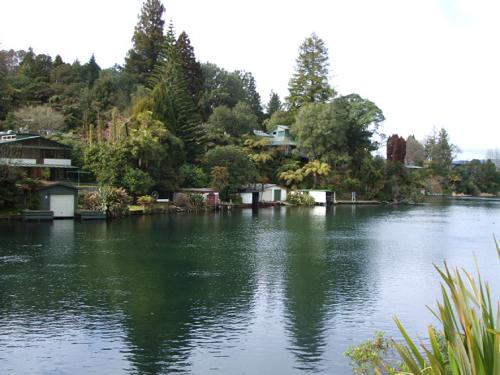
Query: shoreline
x=171, y=209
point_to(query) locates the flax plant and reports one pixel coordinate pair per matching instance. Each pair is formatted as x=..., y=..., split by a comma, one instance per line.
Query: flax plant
x=470, y=329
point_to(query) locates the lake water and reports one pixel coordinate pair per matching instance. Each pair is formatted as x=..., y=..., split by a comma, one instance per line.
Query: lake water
x=274, y=291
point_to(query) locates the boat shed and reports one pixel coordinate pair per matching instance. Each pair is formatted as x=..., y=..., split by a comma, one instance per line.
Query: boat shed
x=263, y=193
x=59, y=197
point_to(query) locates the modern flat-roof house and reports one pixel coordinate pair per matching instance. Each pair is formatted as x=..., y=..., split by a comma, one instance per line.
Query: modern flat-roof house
x=35, y=154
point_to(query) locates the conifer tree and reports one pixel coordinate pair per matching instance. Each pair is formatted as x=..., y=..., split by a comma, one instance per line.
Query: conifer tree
x=147, y=42
x=274, y=104
x=309, y=83
x=58, y=61
x=252, y=97
x=3, y=87
x=91, y=71
x=172, y=103
x=192, y=68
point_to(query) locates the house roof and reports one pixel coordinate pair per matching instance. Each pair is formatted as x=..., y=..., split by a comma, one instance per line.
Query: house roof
x=199, y=190
x=7, y=138
x=28, y=165
x=277, y=140
x=259, y=187
x=50, y=184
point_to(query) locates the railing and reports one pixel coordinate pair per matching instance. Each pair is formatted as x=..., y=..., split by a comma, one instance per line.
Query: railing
x=17, y=161
x=65, y=162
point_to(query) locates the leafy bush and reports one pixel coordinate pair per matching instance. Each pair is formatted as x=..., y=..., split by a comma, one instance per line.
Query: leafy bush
x=190, y=201
x=9, y=191
x=182, y=200
x=374, y=355
x=236, y=199
x=300, y=198
x=197, y=201
x=193, y=176
x=146, y=201
x=113, y=201
x=31, y=198
x=137, y=181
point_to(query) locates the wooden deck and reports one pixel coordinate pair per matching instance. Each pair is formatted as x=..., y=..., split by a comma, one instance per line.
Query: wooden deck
x=37, y=215
x=90, y=215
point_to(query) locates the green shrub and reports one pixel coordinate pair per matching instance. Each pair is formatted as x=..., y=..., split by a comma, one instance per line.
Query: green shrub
x=197, y=201
x=9, y=191
x=190, y=201
x=146, y=201
x=374, y=355
x=193, y=176
x=182, y=200
x=113, y=201
x=300, y=198
x=236, y=199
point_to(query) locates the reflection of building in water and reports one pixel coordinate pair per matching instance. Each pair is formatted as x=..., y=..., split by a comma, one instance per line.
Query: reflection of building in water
x=318, y=210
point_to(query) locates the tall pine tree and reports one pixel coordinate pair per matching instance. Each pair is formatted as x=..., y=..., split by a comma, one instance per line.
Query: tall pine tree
x=192, y=68
x=172, y=103
x=3, y=86
x=309, y=83
x=274, y=104
x=252, y=97
x=91, y=71
x=147, y=42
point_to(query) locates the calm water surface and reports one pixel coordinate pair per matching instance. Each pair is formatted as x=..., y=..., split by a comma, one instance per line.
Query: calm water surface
x=276, y=291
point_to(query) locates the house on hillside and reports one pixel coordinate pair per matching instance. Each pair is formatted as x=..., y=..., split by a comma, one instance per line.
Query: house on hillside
x=39, y=156
x=280, y=137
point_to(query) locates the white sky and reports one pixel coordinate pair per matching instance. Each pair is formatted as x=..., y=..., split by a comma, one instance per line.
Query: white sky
x=425, y=63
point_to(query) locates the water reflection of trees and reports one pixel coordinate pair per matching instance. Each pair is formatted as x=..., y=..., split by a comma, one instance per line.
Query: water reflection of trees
x=327, y=274
x=169, y=286
x=173, y=282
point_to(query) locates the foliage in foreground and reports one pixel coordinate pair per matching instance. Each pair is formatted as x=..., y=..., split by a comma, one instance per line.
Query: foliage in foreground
x=377, y=354
x=469, y=343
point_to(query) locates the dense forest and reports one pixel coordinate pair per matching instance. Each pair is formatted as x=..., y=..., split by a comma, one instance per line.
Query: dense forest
x=164, y=120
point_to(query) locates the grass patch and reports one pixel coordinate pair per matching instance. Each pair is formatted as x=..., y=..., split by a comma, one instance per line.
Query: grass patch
x=6, y=211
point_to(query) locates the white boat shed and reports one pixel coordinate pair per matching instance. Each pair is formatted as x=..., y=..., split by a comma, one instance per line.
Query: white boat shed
x=263, y=193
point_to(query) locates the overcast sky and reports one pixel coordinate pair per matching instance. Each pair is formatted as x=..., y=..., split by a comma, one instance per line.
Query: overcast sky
x=425, y=63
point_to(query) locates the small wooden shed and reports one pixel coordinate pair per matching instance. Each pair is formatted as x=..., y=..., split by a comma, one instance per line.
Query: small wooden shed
x=59, y=197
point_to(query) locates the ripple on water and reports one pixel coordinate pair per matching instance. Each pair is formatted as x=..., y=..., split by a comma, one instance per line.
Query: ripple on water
x=13, y=259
